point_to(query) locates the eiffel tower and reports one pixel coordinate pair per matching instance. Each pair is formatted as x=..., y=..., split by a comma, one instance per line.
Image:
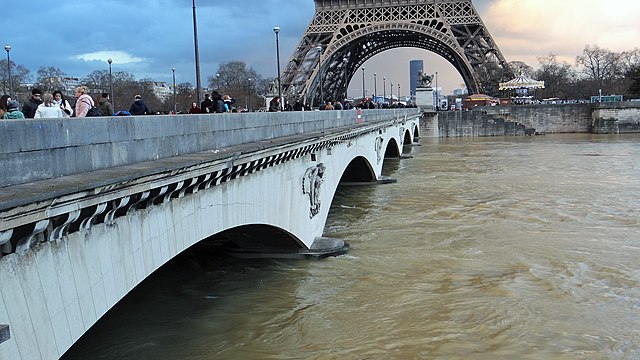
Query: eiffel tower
x=345, y=33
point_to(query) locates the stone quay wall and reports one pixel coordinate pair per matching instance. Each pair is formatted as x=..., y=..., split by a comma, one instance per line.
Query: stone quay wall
x=517, y=120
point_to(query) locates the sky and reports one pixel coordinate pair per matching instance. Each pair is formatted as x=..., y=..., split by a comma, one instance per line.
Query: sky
x=149, y=37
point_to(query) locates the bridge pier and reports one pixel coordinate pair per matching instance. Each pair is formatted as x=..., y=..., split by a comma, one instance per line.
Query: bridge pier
x=429, y=124
x=322, y=247
x=5, y=334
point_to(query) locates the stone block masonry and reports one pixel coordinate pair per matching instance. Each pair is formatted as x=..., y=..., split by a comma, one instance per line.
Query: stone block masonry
x=610, y=118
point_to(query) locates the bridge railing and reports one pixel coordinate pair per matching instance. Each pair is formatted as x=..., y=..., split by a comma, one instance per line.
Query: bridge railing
x=37, y=149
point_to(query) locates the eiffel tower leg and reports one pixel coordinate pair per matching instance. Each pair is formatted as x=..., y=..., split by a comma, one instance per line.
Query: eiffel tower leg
x=345, y=33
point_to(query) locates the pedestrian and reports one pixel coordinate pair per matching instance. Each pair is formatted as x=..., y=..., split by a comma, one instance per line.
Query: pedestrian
x=228, y=103
x=12, y=111
x=64, y=105
x=30, y=106
x=84, y=102
x=138, y=107
x=4, y=101
x=194, y=109
x=347, y=104
x=328, y=106
x=298, y=106
x=206, y=105
x=218, y=103
x=48, y=109
x=338, y=105
x=105, y=105
x=287, y=106
x=274, y=104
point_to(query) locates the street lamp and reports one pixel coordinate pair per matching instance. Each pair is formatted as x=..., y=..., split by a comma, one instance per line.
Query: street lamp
x=319, y=48
x=195, y=41
x=175, y=103
x=375, y=86
x=246, y=98
x=384, y=90
x=277, y=31
x=8, y=48
x=437, y=94
x=391, y=96
x=111, y=83
x=364, y=94
x=398, y=91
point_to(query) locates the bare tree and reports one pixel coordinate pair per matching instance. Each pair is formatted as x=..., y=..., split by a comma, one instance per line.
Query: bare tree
x=20, y=75
x=49, y=78
x=242, y=83
x=491, y=74
x=557, y=77
x=633, y=78
x=521, y=68
x=601, y=67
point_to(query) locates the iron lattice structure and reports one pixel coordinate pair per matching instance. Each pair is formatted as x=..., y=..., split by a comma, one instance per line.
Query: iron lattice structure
x=345, y=33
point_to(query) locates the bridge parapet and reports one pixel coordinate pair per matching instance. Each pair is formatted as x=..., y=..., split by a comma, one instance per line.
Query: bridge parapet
x=37, y=149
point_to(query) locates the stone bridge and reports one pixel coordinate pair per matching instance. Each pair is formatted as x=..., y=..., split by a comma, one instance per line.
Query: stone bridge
x=91, y=207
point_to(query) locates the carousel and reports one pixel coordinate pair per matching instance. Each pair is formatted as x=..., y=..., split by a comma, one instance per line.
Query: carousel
x=522, y=89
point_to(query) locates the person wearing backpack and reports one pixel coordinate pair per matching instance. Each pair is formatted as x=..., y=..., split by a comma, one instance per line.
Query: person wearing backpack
x=84, y=102
x=218, y=103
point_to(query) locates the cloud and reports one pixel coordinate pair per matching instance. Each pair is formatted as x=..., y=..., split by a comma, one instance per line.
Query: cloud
x=118, y=57
x=525, y=29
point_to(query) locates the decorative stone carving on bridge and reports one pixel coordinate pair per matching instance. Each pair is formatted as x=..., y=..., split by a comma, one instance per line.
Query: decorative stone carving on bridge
x=379, y=153
x=311, y=183
x=424, y=80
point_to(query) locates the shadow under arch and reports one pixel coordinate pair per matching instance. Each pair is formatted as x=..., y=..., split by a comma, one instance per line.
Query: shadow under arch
x=359, y=170
x=393, y=149
x=256, y=237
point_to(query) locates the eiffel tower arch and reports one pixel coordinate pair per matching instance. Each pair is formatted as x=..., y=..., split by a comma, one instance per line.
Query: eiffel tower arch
x=344, y=34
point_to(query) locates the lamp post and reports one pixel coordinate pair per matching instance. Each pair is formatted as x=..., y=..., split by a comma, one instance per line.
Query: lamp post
x=384, y=90
x=277, y=31
x=375, y=86
x=175, y=103
x=111, y=84
x=319, y=48
x=195, y=41
x=391, y=96
x=8, y=48
x=398, y=91
x=437, y=94
x=364, y=92
x=246, y=98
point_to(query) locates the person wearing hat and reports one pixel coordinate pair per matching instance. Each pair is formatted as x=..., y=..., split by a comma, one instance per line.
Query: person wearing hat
x=12, y=111
x=138, y=107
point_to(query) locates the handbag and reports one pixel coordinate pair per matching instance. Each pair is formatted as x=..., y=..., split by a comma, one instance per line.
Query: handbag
x=93, y=111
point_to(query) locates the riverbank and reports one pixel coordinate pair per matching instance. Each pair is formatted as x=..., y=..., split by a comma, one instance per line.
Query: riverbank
x=520, y=120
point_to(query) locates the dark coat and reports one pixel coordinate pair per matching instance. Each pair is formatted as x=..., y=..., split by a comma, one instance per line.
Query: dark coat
x=139, y=108
x=29, y=108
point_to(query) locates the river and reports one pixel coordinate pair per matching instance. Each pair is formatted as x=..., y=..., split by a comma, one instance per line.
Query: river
x=486, y=248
